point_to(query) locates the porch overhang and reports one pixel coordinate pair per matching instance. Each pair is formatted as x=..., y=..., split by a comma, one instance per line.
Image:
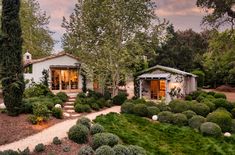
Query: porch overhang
x=154, y=76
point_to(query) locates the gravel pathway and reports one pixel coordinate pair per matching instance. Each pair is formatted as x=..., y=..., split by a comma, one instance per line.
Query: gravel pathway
x=59, y=130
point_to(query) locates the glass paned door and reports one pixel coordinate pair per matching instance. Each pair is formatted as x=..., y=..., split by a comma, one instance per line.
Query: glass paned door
x=74, y=78
x=65, y=80
x=55, y=74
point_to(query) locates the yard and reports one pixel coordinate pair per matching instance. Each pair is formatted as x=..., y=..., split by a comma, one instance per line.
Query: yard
x=158, y=138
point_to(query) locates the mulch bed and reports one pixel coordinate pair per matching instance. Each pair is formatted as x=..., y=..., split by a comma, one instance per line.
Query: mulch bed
x=16, y=128
x=59, y=149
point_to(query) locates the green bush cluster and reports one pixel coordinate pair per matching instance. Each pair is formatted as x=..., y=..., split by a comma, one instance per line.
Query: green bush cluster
x=57, y=113
x=121, y=150
x=62, y=96
x=120, y=98
x=78, y=134
x=100, y=139
x=56, y=141
x=86, y=150
x=165, y=117
x=80, y=108
x=196, y=121
x=178, y=106
x=105, y=150
x=84, y=121
x=179, y=119
x=210, y=129
x=40, y=147
x=97, y=128
x=37, y=90
x=189, y=113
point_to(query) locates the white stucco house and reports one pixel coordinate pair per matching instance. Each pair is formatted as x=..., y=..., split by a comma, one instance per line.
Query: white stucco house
x=165, y=83
x=63, y=68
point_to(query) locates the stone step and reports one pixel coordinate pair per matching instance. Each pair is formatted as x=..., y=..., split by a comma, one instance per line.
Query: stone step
x=66, y=114
x=68, y=107
x=71, y=100
x=75, y=115
x=70, y=111
x=68, y=103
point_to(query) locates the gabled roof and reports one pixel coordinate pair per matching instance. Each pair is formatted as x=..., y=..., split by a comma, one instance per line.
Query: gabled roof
x=50, y=57
x=167, y=69
x=154, y=76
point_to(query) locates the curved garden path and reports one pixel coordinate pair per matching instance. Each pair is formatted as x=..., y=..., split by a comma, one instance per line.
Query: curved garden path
x=59, y=130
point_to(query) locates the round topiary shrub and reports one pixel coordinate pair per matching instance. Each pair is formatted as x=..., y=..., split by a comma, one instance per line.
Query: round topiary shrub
x=165, y=117
x=56, y=141
x=97, y=128
x=163, y=107
x=220, y=95
x=86, y=150
x=105, y=150
x=39, y=148
x=210, y=129
x=78, y=133
x=200, y=98
x=221, y=102
x=84, y=121
x=200, y=109
x=127, y=108
x=178, y=106
x=57, y=113
x=120, y=99
x=121, y=150
x=79, y=108
x=95, y=106
x=222, y=118
x=152, y=111
x=189, y=114
x=210, y=104
x=179, y=119
x=196, y=121
x=233, y=126
x=136, y=150
x=140, y=110
x=100, y=139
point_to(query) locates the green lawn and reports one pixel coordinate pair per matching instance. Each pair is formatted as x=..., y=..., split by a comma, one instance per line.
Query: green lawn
x=162, y=139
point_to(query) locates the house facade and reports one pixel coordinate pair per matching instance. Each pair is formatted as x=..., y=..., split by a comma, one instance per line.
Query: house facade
x=165, y=83
x=63, y=69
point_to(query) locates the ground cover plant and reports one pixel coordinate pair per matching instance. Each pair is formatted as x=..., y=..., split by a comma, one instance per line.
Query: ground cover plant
x=161, y=138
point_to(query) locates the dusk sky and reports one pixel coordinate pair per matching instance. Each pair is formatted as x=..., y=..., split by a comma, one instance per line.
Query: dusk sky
x=184, y=14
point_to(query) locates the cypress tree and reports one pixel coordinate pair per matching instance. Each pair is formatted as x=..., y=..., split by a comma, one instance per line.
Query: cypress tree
x=11, y=57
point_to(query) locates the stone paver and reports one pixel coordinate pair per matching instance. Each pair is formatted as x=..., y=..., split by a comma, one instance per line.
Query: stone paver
x=59, y=130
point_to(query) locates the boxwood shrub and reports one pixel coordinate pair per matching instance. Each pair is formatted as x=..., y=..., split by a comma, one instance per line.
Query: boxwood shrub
x=86, y=150
x=200, y=109
x=57, y=113
x=140, y=110
x=165, y=117
x=79, y=108
x=127, y=107
x=220, y=95
x=210, y=129
x=121, y=150
x=136, y=150
x=233, y=126
x=179, y=119
x=97, y=128
x=152, y=110
x=163, y=107
x=221, y=102
x=178, y=106
x=100, y=139
x=120, y=98
x=78, y=134
x=196, y=121
x=233, y=112
x=63, y=96
x=105, y=150
x=189, y=113
x=210, y=104
x=39, y=148
x=84, y=121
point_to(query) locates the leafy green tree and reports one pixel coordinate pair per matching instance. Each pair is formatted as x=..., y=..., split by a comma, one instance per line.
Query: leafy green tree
x=102, y=33
x=221, y=12
x=11, y=56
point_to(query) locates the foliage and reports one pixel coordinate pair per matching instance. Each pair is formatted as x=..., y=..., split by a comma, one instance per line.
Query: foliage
x=140, y=110
x=32, y=119
x=233, y=126
x=105, y=150
x=196, y=121
x=189, y=113
x=121, y=150
x=222, y=103
x=41, y=110
x=179, y=119
x=178, y=106
x=45, y=77
x=119, y=99
x=134, y=149
x=84, y=121
x=220, y=95
x=210, y=104
x=57, y=113
x=11, y=77
x=86, y=150
x=163, y=107
x=127, y=107
x=134, y=130
x=200, y=109
x=82, y=108
x=100, y=139
x=96, y=128
x=37, y=90
x=233, y=112
x=63, y=96
x=56, y=141
x=222, y=118
x=39, y=148
x=152, y=110
x=165, y=117
x=200, y=77
x=78, y=134
x=211, y=129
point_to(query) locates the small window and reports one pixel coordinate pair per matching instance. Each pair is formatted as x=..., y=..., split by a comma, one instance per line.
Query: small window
x=27, y=57
x=28, y=69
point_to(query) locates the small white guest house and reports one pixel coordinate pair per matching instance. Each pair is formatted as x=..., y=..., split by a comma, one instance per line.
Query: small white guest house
x=63, y=69
x=165, y=83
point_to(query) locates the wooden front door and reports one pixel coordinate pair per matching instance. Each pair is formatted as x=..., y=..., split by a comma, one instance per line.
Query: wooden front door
x=158, y=89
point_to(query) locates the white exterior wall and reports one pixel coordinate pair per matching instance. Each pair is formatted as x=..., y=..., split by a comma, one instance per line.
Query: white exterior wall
x=62, y=60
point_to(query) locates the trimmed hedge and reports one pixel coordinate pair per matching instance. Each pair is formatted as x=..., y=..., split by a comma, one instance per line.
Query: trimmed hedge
x=79, y=108
x=121, y=150
x=165, y=117
x=140, y=110
x=189, y=113
x=63, y=96
x=119, y=99
x=97, y=128
x=100, y=139
x=210, y=104
x=210, y=129
x=221, y=102
x=200, y=109
x=178, y=106
x=84, y=121
x=86, y=150
x=196, y=121
x=78, y=134
x=57, y=113
x=152, y=110
x=128, y=108
x=180, y=119
x=220, y=95
x=105, y=150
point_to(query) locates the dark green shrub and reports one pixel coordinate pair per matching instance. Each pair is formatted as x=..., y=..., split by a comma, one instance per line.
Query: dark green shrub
x=220, y=102
x=41, y=110
x=200, y=98
x=127, y=108
x=24, y=152
x=105, y=150
x=222, y=118
x=136, y=150
x=210, y=129
x=63, y=96
x=57, y=113
x=189, y=113
x=108, y=103
x=56, y=141
x=27, y=107
x=66, y=149
x=165, y=117
x=100, y=139
x=39, y=148
x=37, y=90
x=107, y=95
x=200, y=109
x=121, y=150
x=151, y=104
x=210, y=97
x=178, y=106
x=152, y=111
x=163, y=107
x=9, y=152
x=140, y=110
x=94, y=94
x=78, y=133
x=86, y=150
x=84, y=121
x=95, y=106
x=211, y=93
x=81, y=95
x=49, y=104
x=120, y=99
x=210, y=104
x=79, y=108
x=139, y=101
x=233, y=112
x=200, y=77
x=188, y=98
x=101, y=102
x=56, y=100
x=97, y=128
x=233, y=126
x=196, y=121
x=220, y=95
x=179, y=119
x=197, y=93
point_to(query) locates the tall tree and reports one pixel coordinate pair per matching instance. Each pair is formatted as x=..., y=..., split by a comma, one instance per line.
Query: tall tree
x=35, y=32
x=221, y=12
x=11, y=56
x=101, y=32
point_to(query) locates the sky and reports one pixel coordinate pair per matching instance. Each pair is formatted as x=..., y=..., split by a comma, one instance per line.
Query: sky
x=183, y=14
